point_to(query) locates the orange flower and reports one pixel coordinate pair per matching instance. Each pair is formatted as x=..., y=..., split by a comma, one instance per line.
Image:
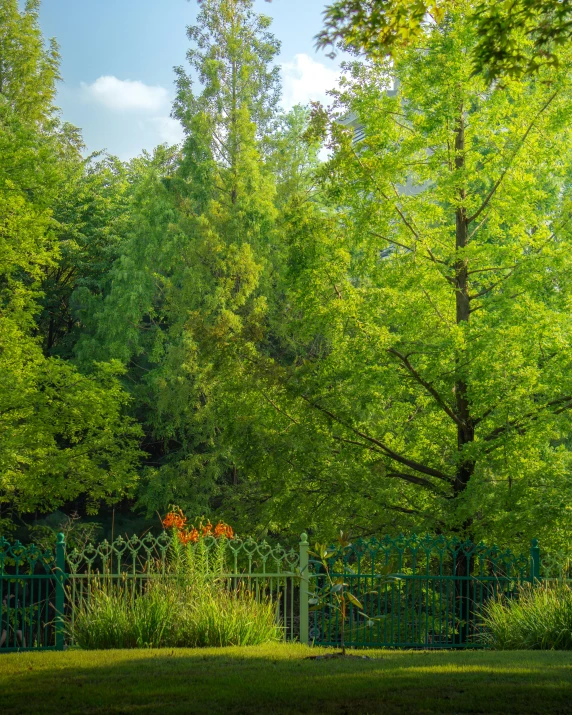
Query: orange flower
x=222, y=529
x=191, y=536
x=175, y=520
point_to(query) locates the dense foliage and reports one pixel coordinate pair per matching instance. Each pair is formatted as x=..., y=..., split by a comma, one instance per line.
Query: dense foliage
x=515, y=37
x=64, y=433
x=378, y=341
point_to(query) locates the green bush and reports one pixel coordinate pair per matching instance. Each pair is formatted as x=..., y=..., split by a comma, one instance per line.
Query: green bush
x=223, y=618
x=540, y=618
x=188, y=606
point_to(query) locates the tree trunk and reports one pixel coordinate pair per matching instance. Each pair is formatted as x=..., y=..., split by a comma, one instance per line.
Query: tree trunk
x=465, y=427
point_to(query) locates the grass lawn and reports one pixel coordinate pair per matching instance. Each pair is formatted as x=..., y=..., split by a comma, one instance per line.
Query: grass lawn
x=280, y=679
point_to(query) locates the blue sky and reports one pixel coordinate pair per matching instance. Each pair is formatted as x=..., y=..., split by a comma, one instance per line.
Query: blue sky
x=118, y=58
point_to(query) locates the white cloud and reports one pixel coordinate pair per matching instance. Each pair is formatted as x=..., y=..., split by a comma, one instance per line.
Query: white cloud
x=304, y=80
x=168, y=129
x=125, y=94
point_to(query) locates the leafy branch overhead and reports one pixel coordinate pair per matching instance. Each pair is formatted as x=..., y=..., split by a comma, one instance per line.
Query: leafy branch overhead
x=516, y=37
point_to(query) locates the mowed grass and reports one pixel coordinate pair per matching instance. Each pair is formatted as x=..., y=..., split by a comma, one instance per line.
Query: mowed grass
x=281, y=679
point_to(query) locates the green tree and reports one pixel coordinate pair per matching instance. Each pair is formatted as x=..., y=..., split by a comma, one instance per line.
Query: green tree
x=90, y=213
x=64, y=434
x=187, y=287
x=423, y=379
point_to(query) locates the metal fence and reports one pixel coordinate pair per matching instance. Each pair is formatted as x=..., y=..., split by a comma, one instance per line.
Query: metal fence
x=263, y=570
x=41, y=589
x=31, y=596
x=414, y=592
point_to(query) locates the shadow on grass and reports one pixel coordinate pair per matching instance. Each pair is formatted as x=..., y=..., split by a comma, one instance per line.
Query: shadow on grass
x=280, y=679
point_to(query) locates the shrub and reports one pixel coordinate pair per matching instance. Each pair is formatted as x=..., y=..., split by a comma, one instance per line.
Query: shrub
x=222, y=617
x=540, y=618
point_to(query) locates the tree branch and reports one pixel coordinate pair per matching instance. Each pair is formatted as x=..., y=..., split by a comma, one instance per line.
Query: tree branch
x=427, y=385
x=411, y=478
x=282, y=412
x=478, y=226
x=483, y=292
x=563, y=403
x=429, y=257
x=498, y=182
x=412, y=464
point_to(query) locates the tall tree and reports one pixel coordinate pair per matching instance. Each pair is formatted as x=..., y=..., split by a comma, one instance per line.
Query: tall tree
x=187, y=286
x=63, y=434
x=423, y=378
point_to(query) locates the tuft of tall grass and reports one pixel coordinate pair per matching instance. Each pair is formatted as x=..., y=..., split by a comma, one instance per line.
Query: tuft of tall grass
x=190, y=605
x=540, y=618
x=114, y=616
x=222, y=618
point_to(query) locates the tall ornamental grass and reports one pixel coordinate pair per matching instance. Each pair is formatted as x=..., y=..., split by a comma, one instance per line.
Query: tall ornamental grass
x=540, y=618
x=113, y=616
x=168, y=615
x=189, y=604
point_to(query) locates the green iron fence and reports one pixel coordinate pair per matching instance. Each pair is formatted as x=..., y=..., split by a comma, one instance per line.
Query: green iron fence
x=265, y=571
x=415, y=592
x=31, y=596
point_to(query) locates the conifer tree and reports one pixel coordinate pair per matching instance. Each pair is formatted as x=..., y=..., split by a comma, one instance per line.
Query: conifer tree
x=187, y=291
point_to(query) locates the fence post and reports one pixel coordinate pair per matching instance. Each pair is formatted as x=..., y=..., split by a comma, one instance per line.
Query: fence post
x=304, y=593
x=534, y=561
x=60, y=590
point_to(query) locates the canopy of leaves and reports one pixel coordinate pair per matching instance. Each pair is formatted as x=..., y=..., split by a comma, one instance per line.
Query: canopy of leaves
x=375, y=401
x=200, y=241
x=379, y=341
x=516, y=37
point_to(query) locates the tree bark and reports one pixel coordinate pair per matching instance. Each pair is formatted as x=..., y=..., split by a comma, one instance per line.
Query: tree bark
x=465, y=425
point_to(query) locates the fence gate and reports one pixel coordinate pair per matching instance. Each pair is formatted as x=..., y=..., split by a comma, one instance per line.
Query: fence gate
x=415, y=592
x=31, y=597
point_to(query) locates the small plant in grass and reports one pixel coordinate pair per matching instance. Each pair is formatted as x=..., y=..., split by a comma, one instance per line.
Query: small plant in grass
x=335, y=593
x=539, y=618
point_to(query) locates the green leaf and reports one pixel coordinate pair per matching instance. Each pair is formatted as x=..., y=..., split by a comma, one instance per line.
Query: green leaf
x=353, y=599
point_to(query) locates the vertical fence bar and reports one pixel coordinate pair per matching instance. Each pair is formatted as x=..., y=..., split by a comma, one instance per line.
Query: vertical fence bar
x=534, y=561
x=304, y=590
x=60, y=590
